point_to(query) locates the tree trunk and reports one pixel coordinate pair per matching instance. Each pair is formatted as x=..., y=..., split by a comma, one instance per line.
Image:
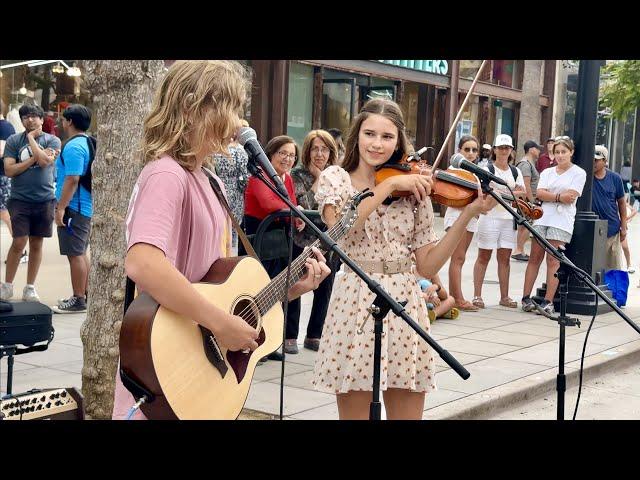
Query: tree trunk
x=122, y=94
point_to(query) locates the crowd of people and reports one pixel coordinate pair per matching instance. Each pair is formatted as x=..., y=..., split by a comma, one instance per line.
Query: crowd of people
x=176, y=226
x=45, y=182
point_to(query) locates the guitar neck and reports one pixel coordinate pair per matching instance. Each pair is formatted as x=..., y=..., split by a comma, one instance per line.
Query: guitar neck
x=274, y=292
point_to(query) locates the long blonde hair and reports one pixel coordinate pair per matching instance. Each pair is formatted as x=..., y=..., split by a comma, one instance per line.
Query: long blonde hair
x=197, y=107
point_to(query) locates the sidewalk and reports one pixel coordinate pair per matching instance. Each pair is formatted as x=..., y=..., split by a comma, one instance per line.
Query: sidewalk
x=512, y=356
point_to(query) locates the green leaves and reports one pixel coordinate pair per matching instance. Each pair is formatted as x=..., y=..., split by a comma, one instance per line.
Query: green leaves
x=621, y=91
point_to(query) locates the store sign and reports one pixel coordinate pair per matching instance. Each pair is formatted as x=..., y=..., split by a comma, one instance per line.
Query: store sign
x=440, y=67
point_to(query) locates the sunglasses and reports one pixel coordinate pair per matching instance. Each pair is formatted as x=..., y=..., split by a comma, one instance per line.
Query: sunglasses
x=563, y=137
x=469, y=149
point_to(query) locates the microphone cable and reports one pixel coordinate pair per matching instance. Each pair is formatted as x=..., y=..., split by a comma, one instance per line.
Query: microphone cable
x=584, y=349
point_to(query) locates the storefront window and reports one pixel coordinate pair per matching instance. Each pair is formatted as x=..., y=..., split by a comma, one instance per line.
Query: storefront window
x=300, y=106
x=468, y=124
x=508, y=73
x=409, y=107
x=338, y=104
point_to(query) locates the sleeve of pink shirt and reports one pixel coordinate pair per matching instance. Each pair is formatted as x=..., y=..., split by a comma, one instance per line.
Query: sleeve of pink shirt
x=155, y=211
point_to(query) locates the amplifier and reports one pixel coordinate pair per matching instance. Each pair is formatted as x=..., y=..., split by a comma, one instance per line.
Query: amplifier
x=28, y=323
x=50, y=404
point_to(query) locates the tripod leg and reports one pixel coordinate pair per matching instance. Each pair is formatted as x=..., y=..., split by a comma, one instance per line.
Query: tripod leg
x=9, y=373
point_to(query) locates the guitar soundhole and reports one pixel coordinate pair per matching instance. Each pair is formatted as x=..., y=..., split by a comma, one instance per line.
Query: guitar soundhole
x=247, y=309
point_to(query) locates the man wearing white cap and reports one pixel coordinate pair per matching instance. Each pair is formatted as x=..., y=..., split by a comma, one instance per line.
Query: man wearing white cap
x=485, y=156
x=608, y=203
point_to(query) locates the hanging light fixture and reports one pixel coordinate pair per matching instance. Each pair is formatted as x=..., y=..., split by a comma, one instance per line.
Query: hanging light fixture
x=23, y=90
x=57, y=68
x=73, y=72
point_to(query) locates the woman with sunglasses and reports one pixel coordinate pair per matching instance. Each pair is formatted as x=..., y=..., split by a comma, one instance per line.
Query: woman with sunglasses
x=495, y=229
x=468, y=147
x=559, y=189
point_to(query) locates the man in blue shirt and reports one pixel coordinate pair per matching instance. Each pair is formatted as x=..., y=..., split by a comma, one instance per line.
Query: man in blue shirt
x=608, y=203
x=28, y=161
x=75, y=205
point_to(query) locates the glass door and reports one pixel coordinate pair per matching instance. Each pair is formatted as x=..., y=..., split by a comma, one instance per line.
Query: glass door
x=338, y=103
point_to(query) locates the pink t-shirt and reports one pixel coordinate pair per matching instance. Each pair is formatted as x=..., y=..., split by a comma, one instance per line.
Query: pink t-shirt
x=177, y=211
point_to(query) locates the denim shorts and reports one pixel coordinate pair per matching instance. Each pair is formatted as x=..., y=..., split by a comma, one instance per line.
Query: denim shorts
x=553, y=233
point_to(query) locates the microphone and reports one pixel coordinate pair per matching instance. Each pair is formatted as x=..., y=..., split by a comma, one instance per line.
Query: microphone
x=458, y=161
x=248, y=138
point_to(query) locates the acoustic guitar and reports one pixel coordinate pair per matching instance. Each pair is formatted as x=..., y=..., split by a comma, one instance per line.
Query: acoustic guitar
x=189, y=374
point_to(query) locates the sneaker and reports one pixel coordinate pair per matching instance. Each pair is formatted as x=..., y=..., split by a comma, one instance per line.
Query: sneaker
x=291, y=346
x=277, y=356
x=631, y=270
x=528, y=305
x=545, y=307
x=312, y=344
x=73, y=305
x=29, y=294
x=24, y=258
x=6, y=291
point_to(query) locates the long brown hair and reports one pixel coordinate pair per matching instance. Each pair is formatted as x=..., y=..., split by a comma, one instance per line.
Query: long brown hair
x=197, y=106
x=377, y=106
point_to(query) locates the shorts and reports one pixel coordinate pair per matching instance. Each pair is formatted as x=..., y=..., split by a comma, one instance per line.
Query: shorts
x=31, y=219
x=452, y=215
x=553, y=233
x=74, y=239
x=5, y=190
x=496, y=233
x=614, y=253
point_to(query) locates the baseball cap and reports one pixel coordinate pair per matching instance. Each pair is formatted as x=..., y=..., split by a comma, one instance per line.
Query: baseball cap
x=486, y=146
x=601, y=152
x=503, y=139
x=531, y=144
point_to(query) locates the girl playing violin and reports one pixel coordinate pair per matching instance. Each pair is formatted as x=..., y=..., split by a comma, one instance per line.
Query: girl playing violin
x=381, y=242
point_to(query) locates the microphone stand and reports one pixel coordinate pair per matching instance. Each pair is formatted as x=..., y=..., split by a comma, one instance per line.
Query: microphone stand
x=382, y=303
x=566, y=269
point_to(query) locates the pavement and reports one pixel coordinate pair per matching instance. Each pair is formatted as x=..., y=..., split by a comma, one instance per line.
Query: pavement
x=512, y=355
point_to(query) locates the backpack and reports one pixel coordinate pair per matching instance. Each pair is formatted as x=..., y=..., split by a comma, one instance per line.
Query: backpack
x=85, y=179
x=514, y=171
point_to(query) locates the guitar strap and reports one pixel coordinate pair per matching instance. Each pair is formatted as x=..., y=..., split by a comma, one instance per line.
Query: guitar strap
x=223, y=201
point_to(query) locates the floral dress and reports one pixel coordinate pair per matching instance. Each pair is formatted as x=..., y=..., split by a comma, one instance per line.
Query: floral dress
x=392, y=232
x=234, y=175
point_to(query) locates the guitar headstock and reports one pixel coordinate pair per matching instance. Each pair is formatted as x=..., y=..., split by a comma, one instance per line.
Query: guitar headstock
x=349, y=213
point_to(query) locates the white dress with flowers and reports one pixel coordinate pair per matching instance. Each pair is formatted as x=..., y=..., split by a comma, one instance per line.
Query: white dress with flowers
x=345, y=358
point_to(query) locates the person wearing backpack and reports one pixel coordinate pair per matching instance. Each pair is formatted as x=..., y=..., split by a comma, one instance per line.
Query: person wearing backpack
x=531, y=178
x=75, y=203
x=495, y=229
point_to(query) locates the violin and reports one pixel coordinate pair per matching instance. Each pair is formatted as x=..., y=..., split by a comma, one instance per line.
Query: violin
x=452, y=187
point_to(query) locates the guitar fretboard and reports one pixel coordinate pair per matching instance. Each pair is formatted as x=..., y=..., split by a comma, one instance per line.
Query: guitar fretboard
x=273, y=293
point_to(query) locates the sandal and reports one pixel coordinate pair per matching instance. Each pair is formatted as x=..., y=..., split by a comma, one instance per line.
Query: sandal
x=466, y=306
x=451, y=314
x=508, y=302
x=478, y=302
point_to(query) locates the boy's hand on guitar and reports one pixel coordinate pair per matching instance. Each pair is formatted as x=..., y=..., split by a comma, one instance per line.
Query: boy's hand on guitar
x=317, y=271
x=234, y=333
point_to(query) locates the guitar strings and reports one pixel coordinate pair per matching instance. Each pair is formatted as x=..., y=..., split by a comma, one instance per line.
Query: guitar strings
x=268, y=296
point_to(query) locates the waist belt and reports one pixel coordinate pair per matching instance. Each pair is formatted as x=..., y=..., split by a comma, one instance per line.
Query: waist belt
x=387, y=267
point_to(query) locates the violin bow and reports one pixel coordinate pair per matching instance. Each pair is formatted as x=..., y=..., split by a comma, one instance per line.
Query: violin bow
x=454, y=124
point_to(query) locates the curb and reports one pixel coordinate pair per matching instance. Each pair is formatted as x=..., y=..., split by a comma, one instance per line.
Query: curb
x=483, y=404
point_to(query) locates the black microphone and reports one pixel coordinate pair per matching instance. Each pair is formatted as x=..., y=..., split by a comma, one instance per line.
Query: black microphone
x=248, y=138
x=458, y=161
